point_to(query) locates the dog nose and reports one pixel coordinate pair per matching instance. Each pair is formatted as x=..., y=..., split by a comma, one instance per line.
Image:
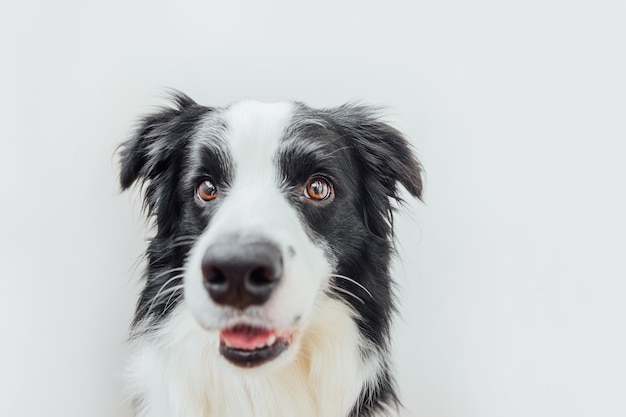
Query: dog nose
x=241, y=274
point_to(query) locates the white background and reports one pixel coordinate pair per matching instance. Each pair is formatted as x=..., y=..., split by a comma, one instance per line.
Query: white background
x=513, y=274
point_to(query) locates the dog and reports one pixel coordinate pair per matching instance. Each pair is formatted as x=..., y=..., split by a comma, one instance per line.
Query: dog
x=268, y=290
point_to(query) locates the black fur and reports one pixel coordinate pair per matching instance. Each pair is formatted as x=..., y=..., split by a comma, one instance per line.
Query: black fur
x=363, y=157
x=368, y=158
x=154, y=157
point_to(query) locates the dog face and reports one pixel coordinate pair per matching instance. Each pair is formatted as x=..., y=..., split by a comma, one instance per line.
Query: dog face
x=261, y=211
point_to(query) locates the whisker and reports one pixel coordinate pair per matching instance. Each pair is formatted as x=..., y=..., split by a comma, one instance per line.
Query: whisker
x=176, y=288
x=166, y=292
x=159, y=275
x=185, y=240
x=176, y=300
x=347, y=292
x=158, y=294
x=163, y=294
x=185, y=237
x=167, y=252
x=181, y=243
x=354, y=282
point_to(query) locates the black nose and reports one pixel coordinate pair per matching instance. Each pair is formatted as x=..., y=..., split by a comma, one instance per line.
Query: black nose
x=241, y=273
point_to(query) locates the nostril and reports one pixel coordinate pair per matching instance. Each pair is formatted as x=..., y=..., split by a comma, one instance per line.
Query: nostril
x=215, y=282
x=214, y=276
x=261, y=276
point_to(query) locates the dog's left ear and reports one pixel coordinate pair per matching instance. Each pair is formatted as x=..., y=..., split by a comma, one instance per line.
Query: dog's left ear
x=386, y=158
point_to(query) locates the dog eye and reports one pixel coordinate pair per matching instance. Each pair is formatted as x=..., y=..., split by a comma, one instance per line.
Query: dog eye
x=318, y=189
x=206, y=190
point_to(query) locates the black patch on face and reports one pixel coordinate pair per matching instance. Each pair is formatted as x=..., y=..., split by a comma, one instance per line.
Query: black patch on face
x=210, y=159
x=364, y=159
x=156, y=157
x=214, y=161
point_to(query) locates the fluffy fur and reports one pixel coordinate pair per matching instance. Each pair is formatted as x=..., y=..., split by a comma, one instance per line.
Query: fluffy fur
x=335, y=295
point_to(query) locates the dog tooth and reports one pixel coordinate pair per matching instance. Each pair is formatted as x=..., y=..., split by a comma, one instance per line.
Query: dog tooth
x=271, y=340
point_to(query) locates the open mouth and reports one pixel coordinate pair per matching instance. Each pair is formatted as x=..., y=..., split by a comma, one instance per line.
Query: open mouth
x=249, y=346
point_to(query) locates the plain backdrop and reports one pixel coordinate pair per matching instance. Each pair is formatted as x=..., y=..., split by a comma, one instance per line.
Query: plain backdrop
x=512, y=272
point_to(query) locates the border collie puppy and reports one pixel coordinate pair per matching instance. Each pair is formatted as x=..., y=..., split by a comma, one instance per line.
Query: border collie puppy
x=267, y=291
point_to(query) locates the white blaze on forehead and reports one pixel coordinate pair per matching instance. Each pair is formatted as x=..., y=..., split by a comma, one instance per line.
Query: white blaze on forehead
x=254, y=132
x=254, y=203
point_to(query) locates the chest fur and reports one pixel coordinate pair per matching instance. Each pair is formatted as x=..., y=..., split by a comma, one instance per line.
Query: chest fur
x=177, y=371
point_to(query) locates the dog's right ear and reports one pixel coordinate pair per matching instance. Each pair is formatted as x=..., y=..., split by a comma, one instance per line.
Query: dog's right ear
x=153, y=155
x=157, y=136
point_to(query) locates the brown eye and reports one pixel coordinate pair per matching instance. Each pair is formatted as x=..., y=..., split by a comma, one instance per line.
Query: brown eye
x=318, y=189
x=206, y=190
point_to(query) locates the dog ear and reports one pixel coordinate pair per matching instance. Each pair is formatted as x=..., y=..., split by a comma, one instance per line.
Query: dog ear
x=385, y=158
x=153, y=156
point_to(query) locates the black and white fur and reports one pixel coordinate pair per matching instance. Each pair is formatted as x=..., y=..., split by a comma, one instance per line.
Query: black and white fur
x=335, y=294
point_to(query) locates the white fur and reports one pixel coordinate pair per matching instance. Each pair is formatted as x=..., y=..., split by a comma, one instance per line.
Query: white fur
x=179, y=372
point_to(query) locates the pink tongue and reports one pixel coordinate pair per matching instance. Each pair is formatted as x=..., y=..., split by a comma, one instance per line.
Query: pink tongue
x=247, y=339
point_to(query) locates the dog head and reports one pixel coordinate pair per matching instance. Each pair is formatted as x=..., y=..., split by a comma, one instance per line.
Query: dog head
x=261, y=211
